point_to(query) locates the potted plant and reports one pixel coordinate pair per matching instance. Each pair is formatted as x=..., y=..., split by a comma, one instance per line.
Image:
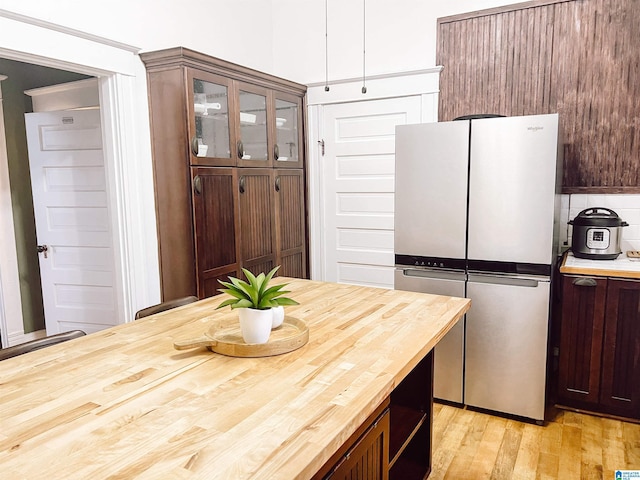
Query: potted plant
x=256, y=300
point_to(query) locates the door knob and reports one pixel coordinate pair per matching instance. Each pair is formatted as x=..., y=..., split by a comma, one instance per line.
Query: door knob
x=43, y=249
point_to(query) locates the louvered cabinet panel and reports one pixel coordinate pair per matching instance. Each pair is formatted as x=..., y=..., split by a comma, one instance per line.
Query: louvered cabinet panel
x=368, y=459
x=620, y=390
x=599, y=363
x=257, y=219
x=216, y=223
x=576, y=58
x=365, y=455
x=290, y=219
x=582, y=330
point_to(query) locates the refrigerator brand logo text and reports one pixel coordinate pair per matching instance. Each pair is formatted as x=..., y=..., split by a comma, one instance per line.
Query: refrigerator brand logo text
x=535, y=129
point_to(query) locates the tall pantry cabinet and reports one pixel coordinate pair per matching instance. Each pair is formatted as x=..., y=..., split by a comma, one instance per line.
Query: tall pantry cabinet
x=228, y=156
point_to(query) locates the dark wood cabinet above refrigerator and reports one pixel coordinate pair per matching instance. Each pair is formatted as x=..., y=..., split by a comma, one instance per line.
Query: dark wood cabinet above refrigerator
x=229, y=171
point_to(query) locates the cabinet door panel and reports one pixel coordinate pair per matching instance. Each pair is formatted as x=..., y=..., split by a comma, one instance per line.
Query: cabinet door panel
x=257, y=221
x=369, y=457
x=289, y=142
x=621, y=351
x=210, y=110
x=290, y=218
x=215, y=226
x=583, y=303
x=254, y=118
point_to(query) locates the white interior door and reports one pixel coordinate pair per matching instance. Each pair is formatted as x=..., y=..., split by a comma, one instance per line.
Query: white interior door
x=358, y=188
x=72, y=220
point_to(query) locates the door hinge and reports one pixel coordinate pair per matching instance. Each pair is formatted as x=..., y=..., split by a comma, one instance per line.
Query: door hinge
x=321, y=143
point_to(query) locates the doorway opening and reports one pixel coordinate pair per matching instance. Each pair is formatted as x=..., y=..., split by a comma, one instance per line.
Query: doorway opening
x=125, y=125
x=22, y=76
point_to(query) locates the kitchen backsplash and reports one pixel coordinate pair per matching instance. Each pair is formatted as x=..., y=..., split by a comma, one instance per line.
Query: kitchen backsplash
x=626, y=206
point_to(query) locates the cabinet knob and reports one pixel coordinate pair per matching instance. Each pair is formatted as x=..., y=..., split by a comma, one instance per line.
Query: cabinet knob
x=585, y=282
x=194, y=146
x=276, y=152
x=278, y=183
x=241, y=184
x=240, y=149
x=197, y=185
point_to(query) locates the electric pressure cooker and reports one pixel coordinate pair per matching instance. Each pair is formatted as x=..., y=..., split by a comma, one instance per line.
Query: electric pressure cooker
x=596, y=234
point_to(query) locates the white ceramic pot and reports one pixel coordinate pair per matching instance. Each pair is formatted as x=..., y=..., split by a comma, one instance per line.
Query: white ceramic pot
x=255, y=325
x=278, y=316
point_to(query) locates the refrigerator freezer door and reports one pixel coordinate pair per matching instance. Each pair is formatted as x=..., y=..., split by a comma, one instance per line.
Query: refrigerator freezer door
x=512, y=190
x=506, y=344
x=449, y=353
x=431, y=189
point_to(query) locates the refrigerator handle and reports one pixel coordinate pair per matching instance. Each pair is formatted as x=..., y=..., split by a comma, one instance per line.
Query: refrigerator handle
x=499, y=280
x=439, y=274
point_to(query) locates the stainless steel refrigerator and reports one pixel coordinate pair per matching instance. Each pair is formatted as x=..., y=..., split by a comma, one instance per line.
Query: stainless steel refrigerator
x=477, y=215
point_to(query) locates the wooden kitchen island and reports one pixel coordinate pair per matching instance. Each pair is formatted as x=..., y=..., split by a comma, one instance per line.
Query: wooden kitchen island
x=123, y=403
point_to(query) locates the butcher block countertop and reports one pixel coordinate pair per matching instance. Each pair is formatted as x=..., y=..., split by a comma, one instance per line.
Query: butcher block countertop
x=123, y=403
x=622, y=266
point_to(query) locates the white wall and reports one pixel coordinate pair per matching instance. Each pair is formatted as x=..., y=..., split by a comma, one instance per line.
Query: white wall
x=400, y=35
x=282, y=37
x=236, y=30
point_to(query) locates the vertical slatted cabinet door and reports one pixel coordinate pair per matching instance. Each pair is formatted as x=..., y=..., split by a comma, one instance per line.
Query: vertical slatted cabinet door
x=290, y=218
x=368, y=459
x=583, y=305
x=620, y=392
x=257, y=221
x=216, y=223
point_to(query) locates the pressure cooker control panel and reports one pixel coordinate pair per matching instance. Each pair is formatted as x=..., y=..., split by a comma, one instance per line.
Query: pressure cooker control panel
x=598, y=238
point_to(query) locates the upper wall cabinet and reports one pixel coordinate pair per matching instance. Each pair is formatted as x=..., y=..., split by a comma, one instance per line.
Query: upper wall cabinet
x=228, y=159
x=288, y=134
x=210, y=118
x=236, y=123
x=576, y=58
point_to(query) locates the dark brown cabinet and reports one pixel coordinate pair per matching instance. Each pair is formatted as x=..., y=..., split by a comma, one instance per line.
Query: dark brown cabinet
x=599, y=357
x=365, y=455
x=256, y=188
x=412, y=423
x=291, y=243
x=228, y=157
x=216, y=225
x=395, y=441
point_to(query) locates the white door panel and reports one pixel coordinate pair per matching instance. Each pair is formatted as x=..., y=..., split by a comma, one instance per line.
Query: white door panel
x=358, y=191
x=363, y=274
x=72, y=220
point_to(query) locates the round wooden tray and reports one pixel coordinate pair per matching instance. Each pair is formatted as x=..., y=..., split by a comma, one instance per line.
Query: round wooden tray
x=227, y=340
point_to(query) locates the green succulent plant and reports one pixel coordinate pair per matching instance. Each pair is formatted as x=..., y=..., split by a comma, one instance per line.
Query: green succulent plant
x=256, y=293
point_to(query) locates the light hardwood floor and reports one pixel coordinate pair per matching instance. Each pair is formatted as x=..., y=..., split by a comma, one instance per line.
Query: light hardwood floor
x=473, y=445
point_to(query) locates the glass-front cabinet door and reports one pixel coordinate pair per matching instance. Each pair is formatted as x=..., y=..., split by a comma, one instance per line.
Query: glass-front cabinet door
x=253, y=139
x=211, y=104
x=288, y=142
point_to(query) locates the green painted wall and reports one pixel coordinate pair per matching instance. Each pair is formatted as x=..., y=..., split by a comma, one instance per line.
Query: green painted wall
x=21, y=77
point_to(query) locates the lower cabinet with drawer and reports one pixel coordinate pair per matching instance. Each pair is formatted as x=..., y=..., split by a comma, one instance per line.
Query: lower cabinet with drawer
x=599, y=356
x=394, y=443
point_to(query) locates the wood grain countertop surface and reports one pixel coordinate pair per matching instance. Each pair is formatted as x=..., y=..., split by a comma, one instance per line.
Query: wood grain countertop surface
x=123, y=403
